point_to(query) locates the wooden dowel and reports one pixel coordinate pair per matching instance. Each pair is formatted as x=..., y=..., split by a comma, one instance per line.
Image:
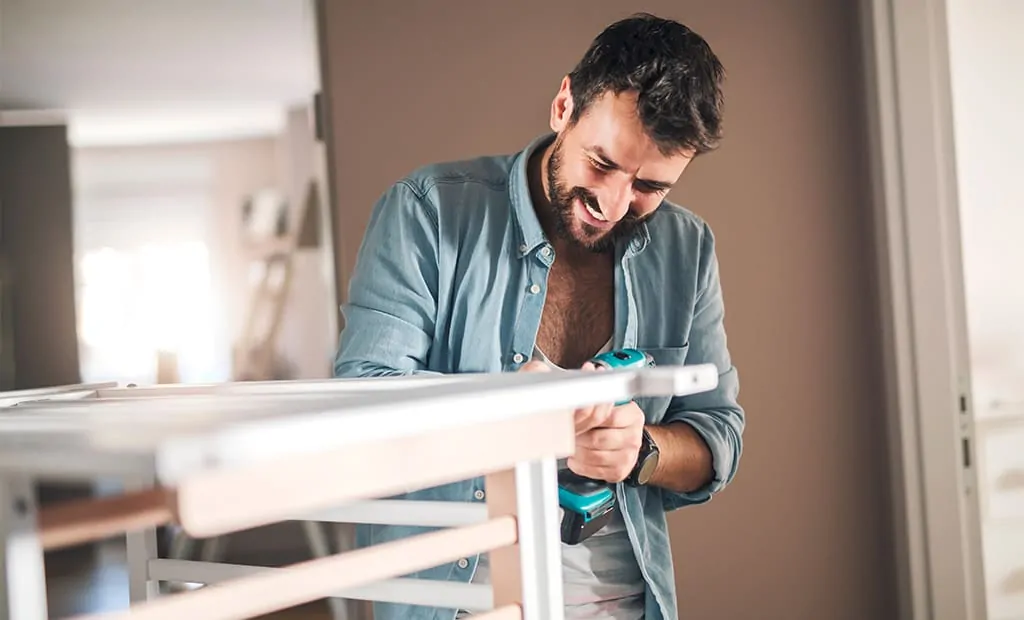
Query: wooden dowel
x=266, y=592
x=507, y=612
x=82, y=521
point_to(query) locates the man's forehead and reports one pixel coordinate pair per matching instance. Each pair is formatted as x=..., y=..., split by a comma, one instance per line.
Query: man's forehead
x=612, y=129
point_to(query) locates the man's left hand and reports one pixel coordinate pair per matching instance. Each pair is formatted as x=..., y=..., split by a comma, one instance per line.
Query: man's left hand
x=607, y=446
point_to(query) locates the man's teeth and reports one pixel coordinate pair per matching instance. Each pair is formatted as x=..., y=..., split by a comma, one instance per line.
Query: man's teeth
x=597, y=214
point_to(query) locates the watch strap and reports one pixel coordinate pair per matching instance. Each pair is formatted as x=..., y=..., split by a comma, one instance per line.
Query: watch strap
x=648, y=450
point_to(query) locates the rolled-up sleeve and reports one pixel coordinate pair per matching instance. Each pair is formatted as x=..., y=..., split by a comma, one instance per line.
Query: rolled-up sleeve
x=716, y=415
x=390, y=313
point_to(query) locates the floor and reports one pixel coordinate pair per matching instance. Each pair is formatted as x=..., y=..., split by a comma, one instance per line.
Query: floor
x=95, y=579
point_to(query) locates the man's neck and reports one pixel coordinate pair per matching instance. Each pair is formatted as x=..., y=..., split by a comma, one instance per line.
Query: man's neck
x=537, y=181
x=570, y=253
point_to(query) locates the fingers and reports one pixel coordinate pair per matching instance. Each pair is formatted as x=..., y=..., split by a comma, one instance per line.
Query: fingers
x=534, y=366
x=608, y=439
x=609, y=451
x=624, y=416
x=608, y=416
x=591, y=417
x=607, y=465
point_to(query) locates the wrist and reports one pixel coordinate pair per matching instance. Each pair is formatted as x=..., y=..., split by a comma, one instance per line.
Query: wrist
x=648, y=457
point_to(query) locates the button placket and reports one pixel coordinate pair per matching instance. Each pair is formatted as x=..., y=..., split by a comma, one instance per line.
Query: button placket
x=534, y=279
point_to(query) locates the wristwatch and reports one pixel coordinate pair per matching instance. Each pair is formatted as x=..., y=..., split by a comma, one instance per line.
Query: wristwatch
x=646, y=462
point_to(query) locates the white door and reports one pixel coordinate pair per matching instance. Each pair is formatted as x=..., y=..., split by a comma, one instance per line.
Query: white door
x=986, y=52
x=946, y=91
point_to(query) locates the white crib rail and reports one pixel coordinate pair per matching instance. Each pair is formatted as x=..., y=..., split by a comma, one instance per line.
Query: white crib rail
x=225, y=457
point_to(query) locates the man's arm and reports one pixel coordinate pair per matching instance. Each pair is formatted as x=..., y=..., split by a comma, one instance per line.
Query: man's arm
x=392, y=303
x=685, y=463
x=701, y=437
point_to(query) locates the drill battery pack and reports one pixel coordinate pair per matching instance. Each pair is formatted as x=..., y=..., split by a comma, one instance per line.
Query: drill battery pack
x=586, y=504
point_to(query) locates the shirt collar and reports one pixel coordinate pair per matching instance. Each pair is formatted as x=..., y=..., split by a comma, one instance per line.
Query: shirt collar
x=531, y=235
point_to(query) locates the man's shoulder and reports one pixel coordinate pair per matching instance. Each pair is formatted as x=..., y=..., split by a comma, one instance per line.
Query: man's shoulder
x=681, y=238
x=677, y=224
x=486, y=172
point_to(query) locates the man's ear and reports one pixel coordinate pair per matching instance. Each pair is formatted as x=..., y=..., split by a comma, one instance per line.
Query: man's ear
x=561, y=107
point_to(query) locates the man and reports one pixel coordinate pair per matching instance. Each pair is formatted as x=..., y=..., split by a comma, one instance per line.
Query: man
x=542, y=259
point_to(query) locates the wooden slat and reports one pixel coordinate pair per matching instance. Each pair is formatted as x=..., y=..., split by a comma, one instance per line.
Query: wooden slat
x=88, y=520
x=507, y=612
x=221, y=502
x=506, y=566
x=263, y=593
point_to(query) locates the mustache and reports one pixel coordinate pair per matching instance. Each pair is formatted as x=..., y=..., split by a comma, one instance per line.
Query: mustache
x=588, y=198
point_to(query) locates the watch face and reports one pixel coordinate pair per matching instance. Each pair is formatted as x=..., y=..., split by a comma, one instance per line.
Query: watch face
x=647, y=468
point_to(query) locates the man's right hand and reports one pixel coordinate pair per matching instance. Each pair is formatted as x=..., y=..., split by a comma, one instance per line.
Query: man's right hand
x=587, y=418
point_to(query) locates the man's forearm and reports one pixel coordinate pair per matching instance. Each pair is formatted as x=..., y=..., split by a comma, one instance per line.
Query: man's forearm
x=684, y=463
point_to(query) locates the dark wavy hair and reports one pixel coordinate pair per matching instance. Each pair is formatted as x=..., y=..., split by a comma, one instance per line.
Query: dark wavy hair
x=672, y=70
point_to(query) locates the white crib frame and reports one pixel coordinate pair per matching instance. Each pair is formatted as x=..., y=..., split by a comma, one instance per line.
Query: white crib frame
x=202, y=456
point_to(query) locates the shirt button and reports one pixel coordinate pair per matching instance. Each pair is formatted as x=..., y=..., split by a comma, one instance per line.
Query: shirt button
x=545, y=251
x=522, y=249
x=478, y=494
x=463, y=563
x=518, y=358
x=535, y=288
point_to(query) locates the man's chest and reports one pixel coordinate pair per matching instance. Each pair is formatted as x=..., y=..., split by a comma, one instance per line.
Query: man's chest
x=492, y=313
x=578, y=315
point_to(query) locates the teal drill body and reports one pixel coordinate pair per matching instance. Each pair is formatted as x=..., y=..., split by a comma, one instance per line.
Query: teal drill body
x=587, y=504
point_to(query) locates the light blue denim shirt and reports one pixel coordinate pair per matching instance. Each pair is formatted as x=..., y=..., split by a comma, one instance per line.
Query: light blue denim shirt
x=451, y=278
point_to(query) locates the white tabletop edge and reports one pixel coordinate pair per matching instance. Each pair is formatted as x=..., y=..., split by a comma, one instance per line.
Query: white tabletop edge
x=416, y=405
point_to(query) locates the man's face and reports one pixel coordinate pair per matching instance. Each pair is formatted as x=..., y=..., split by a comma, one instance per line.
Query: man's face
x=604, y=175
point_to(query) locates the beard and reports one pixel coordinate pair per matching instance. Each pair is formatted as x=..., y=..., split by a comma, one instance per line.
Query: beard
x=566, y=226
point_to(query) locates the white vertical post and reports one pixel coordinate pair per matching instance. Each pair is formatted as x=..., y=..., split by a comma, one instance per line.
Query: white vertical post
x=22, y=573
x=530, y=572
x=540, y=542
x=141, y=547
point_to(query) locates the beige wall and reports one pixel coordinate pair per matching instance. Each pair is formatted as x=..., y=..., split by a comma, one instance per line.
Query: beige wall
x=804, y=531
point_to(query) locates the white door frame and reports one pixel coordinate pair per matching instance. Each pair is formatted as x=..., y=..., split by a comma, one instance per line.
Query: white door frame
x=937, y=533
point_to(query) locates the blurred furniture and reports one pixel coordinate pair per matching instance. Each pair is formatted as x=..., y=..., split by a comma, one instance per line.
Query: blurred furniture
x=271, y=238
x=215, y=459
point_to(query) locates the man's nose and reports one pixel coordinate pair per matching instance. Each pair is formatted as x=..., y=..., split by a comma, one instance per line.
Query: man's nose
x=617, y=201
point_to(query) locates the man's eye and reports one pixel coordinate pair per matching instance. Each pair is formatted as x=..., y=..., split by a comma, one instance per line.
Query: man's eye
x=600, y=165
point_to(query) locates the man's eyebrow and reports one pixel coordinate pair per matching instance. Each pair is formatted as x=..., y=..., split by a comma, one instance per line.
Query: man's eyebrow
x=600, y=154
x=605, y=159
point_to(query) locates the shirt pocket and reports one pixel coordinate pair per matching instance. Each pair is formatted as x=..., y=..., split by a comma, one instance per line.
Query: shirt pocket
x=654, y=407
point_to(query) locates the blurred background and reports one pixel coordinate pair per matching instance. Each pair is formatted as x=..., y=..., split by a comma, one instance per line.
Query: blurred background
x=184, y=134
x=165, y=217
x=185, y=183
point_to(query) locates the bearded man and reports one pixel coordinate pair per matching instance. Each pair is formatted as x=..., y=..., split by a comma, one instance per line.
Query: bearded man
x=539, y=260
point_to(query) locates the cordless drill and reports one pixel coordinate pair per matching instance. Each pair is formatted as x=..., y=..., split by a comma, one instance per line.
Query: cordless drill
x=587, y=504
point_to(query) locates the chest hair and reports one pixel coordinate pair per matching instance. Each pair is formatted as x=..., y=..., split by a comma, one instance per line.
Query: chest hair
x=579, y=313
